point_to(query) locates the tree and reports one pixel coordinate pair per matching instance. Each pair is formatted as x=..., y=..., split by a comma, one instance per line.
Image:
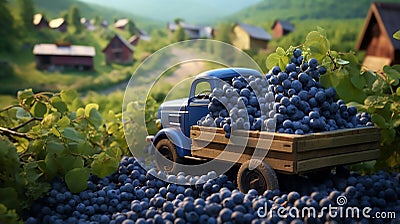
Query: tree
x=8, y=33
x=131, y=27
x=223, y=32
x=179, y=34
x=74, y=19
x=178, y=21
x=26, y=13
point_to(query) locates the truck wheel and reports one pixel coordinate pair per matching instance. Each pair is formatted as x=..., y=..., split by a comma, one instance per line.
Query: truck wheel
x=261, y=178
x=168, y=150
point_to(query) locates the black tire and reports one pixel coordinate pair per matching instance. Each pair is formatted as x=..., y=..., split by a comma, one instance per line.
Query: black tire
x=167, y=149
x=261, y=178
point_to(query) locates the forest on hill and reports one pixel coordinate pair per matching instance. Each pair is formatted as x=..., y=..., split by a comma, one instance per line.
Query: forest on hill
x=301, y=10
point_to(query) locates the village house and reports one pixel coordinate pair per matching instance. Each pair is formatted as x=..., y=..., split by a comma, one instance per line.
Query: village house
x=39, y=21
x=121, y=24
x=280, y=28
x=142, y=35
x=88, y=24
x=249, y=37
x=118, y=50
x=58, y=24
x=192, y=31
x=376, y=37
x=60, y=57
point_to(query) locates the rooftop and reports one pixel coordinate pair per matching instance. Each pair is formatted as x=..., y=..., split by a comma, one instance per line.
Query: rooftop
x=255, y=31
x=71, y=50
x=55, y=23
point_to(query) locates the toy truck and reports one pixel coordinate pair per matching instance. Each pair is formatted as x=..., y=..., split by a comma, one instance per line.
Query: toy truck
x=180, y=137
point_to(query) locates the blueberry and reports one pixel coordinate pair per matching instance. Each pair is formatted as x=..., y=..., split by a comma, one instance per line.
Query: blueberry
x=297, y=53
x=225, y=214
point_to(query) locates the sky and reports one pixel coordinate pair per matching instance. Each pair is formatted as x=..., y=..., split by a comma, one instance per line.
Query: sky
x=195, y=11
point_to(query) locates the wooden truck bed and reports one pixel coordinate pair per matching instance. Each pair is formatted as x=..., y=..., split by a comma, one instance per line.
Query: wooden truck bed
x=289, y=153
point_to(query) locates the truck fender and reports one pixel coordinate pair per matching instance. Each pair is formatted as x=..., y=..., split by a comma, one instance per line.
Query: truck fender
x=182, y=143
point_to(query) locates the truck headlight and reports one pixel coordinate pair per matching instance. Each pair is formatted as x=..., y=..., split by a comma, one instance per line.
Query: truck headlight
x=158, y=124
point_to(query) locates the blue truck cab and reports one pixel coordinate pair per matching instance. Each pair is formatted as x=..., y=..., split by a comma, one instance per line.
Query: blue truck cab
x=175, y=117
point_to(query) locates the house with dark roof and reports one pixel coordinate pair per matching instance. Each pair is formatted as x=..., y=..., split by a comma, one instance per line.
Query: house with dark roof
x=140, y=36
x=60, y=57
x=192, y=31
x=58, y=24
x=119, y=50
x=249, y=37
x=376, y=37
x=40, y=21
x=280, y=28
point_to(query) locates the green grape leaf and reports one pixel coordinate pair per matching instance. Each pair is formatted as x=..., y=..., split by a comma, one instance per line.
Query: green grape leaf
x=80, y=112
x=69, y=162
x=55, y=147
x=84, y=148
x=280, y=51
x=378, y=120
x=89, y=107
x=369, y=78
x=57, y=103
x=378, y=86
x=272, y=60
x=396, y=123
x=398, y=91
x=36, y=146
x=39, y=109
x=9, y=197
x=22, y=114
x=114, y=152
x=392, y=74
x=72, y=134
x=30, y=172
x=397, y=35
x=50, y=119
x=76, y=179
x=63, y=122
x=69, y=95
x=95, y=118
x=51, y=165
x=317, y=44
x=358, y=81
x=104, y=165
x=25, y=94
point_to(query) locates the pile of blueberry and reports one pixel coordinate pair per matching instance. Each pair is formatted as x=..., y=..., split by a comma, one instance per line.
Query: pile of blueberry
x=291, y=101
x=132, y=195
x=241, y=103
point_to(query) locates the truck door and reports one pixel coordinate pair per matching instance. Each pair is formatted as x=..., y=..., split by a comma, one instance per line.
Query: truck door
x=198, y=102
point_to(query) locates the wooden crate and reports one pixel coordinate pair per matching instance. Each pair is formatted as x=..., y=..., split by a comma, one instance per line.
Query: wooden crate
x=288, y=153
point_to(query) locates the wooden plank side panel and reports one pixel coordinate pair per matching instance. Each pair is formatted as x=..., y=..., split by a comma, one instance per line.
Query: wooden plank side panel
x=337, y=150
x=317, y=143
x=199, y=145
x=334, y=160
x=211, y=153
x=264, y=140
x=289, y=142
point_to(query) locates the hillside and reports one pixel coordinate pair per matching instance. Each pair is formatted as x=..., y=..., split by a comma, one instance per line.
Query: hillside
x=301, y=10
x=53, y=8
x=193, y=11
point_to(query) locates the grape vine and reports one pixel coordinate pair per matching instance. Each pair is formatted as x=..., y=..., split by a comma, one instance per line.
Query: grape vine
x=48, y=135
